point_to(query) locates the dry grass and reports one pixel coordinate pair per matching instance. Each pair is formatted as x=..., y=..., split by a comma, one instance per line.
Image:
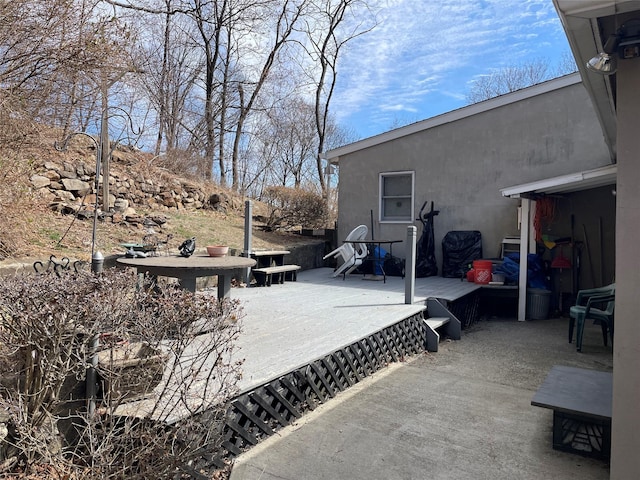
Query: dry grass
x=49, y=233
x=29, y=229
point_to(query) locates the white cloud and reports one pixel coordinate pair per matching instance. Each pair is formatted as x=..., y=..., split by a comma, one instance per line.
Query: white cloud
x=429, y=49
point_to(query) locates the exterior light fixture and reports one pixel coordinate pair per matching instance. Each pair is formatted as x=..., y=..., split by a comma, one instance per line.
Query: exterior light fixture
x=605, y=63
x=625, y=43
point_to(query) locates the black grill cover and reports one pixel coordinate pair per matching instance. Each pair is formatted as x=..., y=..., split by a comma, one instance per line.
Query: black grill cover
x=459, y=250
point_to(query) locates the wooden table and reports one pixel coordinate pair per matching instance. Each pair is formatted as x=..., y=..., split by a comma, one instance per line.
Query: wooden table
x=581, y=403
x=269, y=258
x=188, y=269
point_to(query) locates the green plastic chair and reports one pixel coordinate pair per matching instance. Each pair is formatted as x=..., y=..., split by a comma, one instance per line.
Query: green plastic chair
x=597, y=304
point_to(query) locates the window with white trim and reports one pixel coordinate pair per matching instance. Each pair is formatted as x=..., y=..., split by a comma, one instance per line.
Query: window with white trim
x=396, y=197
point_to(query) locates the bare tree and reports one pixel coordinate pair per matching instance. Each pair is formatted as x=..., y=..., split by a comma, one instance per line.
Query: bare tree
x=211, y=76
x=566, y=64
x=292, y=133
x=510, y=79
x=331, y=25
x=50, y=52
x=286, y=19
x=171, y=71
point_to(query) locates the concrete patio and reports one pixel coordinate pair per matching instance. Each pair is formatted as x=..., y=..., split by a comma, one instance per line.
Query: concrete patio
x=461, y=413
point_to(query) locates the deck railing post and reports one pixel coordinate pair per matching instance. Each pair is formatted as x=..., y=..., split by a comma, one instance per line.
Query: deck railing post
x=410, y=266
x=248, y=217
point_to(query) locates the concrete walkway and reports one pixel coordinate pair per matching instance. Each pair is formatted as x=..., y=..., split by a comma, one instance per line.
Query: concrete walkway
x=461, y=413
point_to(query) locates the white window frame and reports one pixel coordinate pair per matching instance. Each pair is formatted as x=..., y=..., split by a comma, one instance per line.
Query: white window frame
x=381, y=198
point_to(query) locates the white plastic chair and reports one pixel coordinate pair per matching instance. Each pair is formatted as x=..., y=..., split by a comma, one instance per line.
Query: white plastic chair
x=358, y=233
x=360, y=252
x=350, y=254
x=343, y=252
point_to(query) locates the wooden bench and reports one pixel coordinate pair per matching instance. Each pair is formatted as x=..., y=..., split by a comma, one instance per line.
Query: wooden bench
x=267, y=275
x=581, y=403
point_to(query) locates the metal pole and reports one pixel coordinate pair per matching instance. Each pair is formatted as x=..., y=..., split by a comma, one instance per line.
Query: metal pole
x=106, y=148
x=98, y=145
x=410, y=265
x=92, y=377
x=248, y=217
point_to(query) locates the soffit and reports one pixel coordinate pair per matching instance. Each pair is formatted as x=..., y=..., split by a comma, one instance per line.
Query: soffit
x=598, y=177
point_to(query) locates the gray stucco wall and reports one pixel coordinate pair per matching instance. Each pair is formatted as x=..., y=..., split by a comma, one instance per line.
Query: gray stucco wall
x=462, y=165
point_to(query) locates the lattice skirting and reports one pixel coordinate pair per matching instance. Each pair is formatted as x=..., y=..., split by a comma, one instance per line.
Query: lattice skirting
x=261, y=412
x=466, y=309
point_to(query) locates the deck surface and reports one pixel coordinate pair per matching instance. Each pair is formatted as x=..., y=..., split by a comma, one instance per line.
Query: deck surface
x=290, y=325
x=286, y=326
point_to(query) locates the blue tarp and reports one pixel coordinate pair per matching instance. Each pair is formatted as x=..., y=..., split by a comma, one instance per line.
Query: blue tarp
x=379, y=254
x=536, y=277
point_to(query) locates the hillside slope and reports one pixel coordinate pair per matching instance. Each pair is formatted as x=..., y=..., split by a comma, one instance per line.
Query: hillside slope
x=37, y=220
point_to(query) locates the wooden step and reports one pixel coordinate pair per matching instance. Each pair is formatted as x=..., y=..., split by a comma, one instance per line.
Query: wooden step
x=437, y=322
x=433, y=336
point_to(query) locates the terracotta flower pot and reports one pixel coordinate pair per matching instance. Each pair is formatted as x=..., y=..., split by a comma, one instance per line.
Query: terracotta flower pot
x=217, y=250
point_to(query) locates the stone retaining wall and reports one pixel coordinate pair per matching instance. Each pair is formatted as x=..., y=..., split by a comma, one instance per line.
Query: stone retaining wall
x=70, y=189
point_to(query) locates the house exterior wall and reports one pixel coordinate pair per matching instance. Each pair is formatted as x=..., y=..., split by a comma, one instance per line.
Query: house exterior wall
x=625, y=428
x=462, y=165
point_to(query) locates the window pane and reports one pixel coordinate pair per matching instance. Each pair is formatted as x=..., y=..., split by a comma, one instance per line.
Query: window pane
x=396, y=208
x=397, y=185
x=396, y=197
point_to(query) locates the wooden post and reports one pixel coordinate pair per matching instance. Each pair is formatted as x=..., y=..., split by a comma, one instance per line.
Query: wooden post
x=524, y=250
x=410, y=266
x=248, y=217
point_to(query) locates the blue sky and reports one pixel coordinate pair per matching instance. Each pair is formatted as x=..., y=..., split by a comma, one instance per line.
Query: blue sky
x=421, y=58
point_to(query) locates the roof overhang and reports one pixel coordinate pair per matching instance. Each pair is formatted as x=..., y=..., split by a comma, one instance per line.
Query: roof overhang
x=587, y=24
x=573, y=182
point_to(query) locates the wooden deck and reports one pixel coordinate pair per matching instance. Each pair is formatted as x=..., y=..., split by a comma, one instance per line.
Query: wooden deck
x=287, y=326
x=291, y=325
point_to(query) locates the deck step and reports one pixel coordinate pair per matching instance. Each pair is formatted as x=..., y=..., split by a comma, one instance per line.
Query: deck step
x=437, y=322
x=450, y=326
x=433, y=336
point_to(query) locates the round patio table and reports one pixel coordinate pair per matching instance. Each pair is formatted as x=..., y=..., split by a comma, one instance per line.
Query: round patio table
x=188, y=269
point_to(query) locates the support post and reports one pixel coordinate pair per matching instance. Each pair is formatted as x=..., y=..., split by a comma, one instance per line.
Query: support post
x=248, y=217
x=410, y=266
x=524, y=251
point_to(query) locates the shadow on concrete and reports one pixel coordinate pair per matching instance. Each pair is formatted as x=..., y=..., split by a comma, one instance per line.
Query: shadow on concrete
x=461, y=413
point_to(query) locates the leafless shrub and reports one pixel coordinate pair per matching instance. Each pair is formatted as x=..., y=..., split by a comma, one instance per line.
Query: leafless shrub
x=102, y=378
x=292, y=207
x=16, y=134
